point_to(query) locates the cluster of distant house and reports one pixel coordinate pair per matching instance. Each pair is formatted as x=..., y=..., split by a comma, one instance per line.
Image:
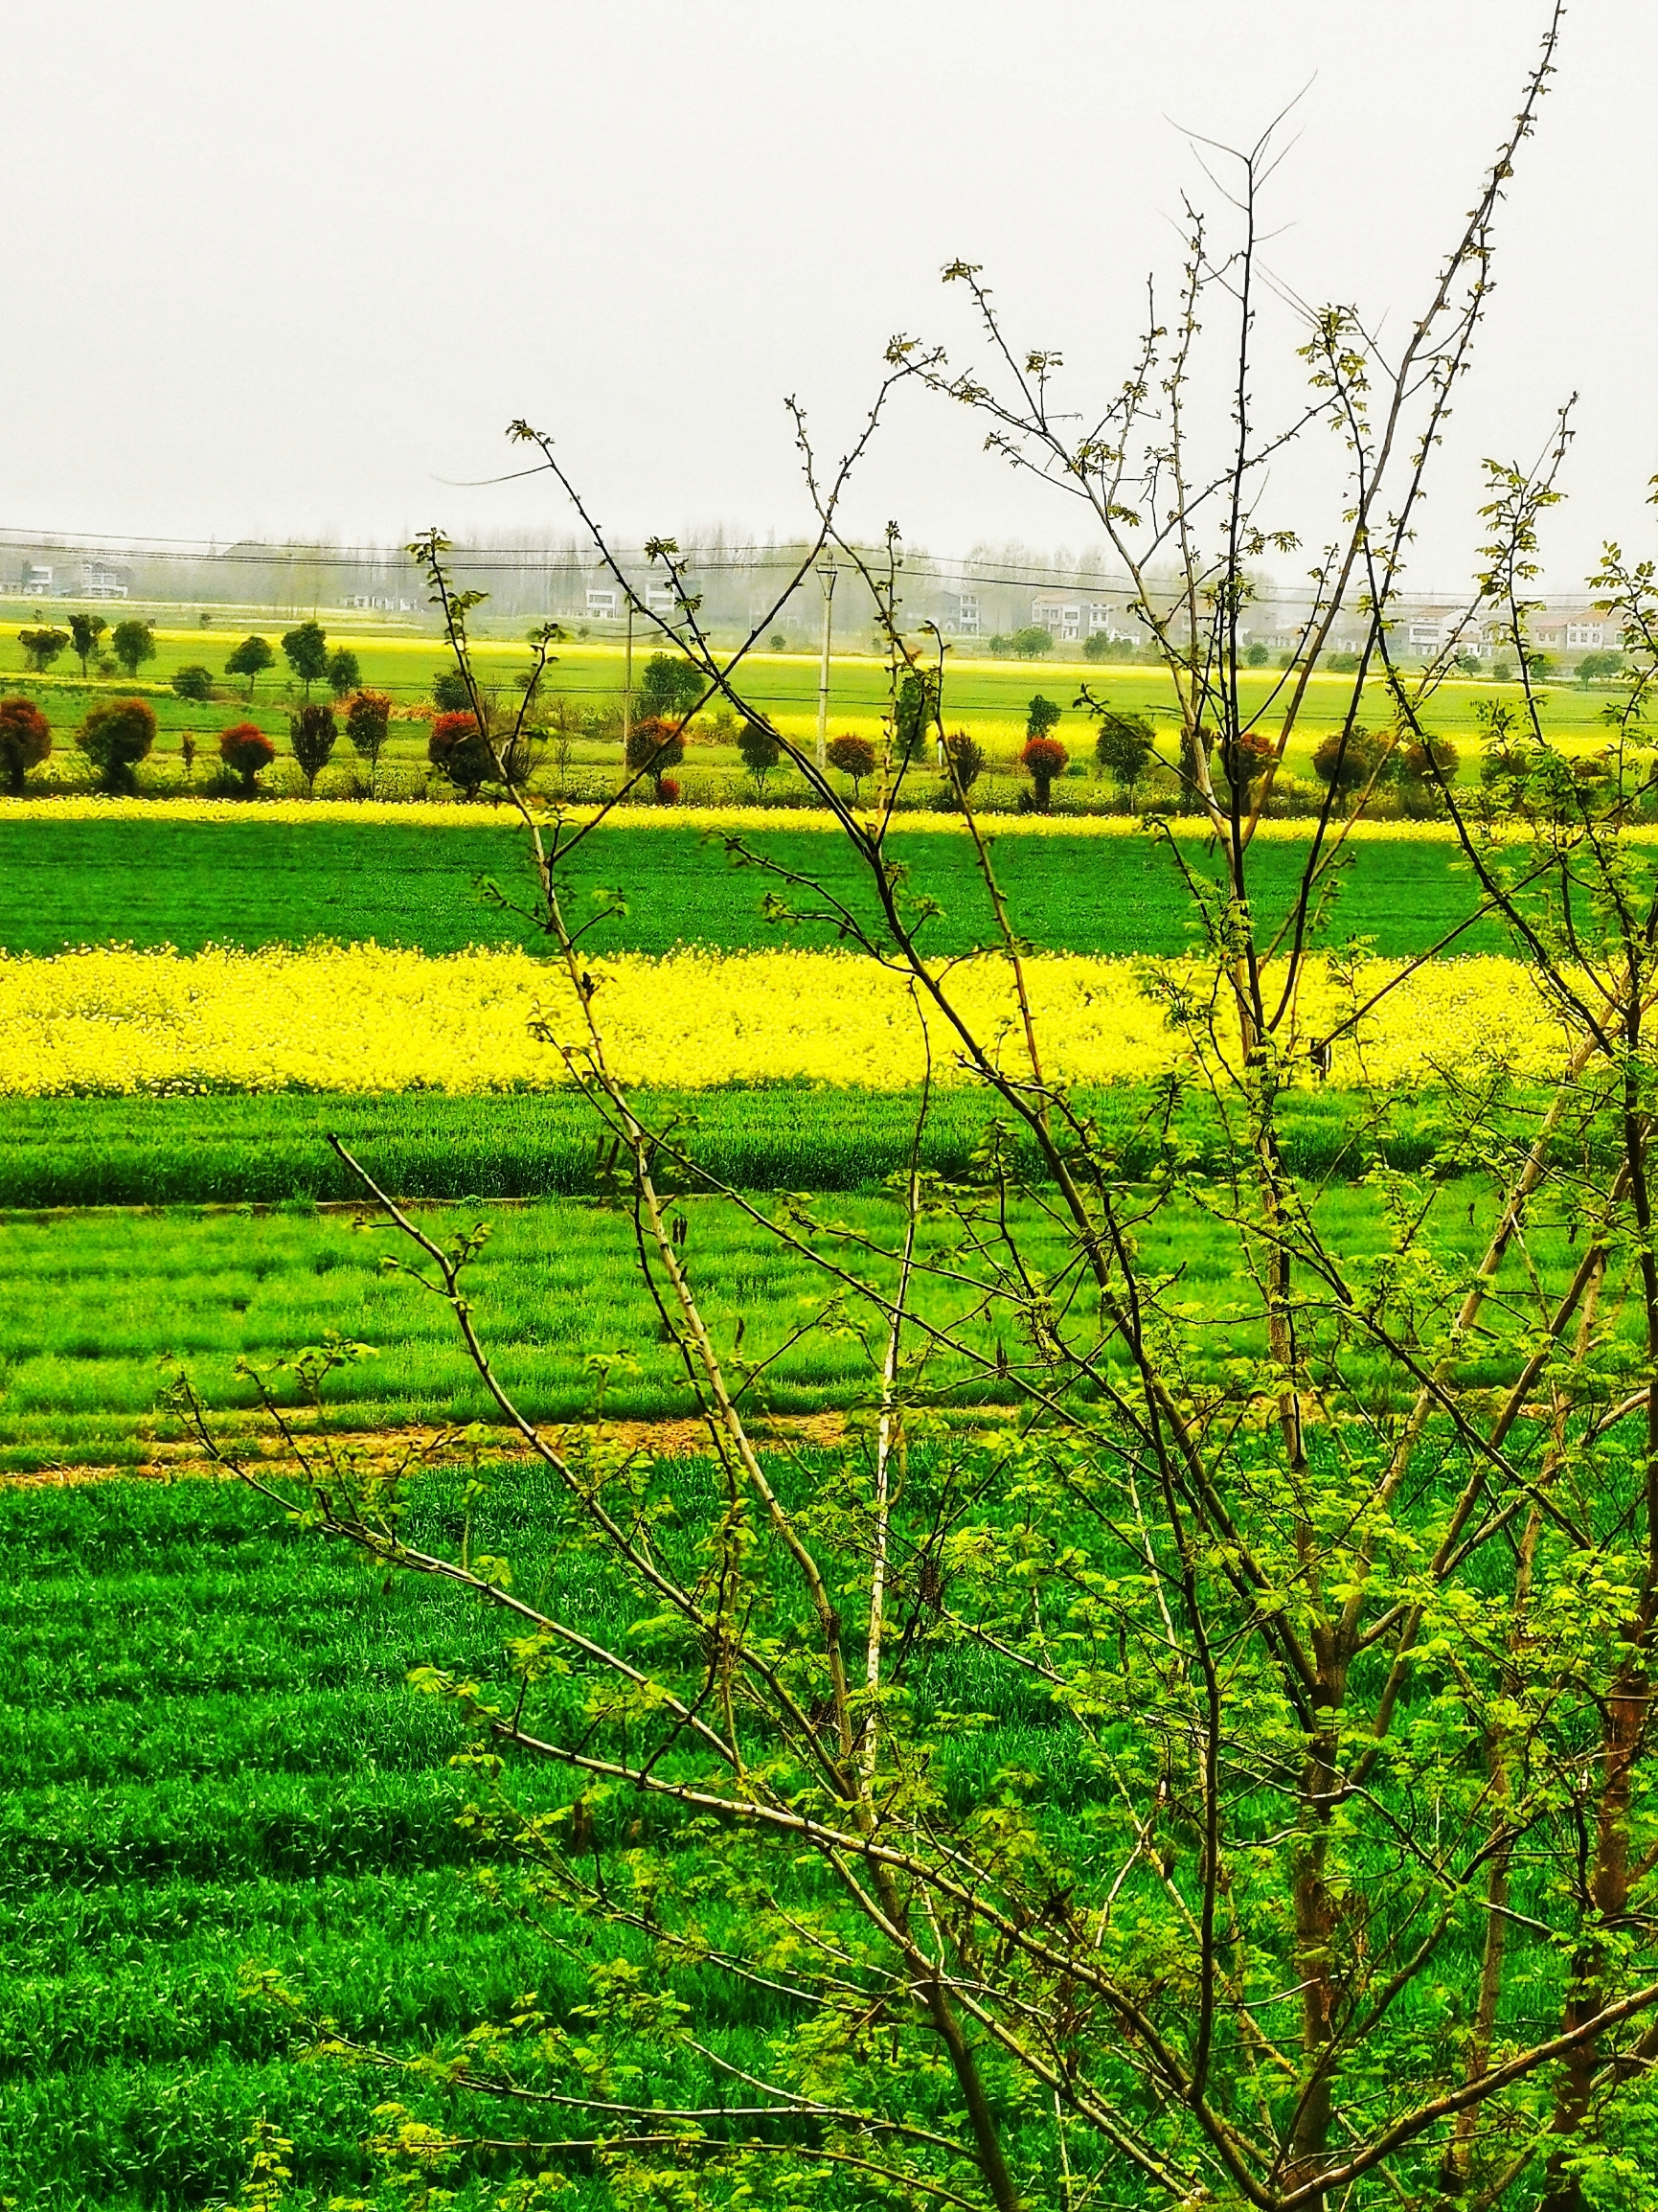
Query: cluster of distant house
x=44, y=580
x=1421, y=630
x=1070, y=616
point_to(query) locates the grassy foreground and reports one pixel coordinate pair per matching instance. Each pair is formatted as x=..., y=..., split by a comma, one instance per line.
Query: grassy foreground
x=211, y=1758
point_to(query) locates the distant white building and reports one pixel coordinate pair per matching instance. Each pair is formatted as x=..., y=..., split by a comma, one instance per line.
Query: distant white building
x=38, y=579
x=1071, y=620
x=1582, y=631
x=604, y=602
x=1432, y=634
x=101, y=582
x=1061, y=617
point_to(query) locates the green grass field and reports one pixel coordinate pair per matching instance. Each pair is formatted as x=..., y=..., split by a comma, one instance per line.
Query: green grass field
x=251, y=883
x=213, y=1761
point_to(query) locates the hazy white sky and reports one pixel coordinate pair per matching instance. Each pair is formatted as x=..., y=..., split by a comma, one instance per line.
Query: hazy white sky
x=278, y=267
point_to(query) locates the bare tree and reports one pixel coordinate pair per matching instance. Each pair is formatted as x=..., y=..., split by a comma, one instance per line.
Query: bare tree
x=1332, y=1612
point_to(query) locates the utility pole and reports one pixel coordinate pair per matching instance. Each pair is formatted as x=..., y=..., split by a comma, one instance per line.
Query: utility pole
x=628, y=686
x=827, y=573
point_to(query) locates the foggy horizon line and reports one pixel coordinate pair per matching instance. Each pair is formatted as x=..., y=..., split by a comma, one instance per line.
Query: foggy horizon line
x=721, y=551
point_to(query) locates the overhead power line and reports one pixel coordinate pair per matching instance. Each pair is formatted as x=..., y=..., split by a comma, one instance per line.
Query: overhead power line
x=721, y=559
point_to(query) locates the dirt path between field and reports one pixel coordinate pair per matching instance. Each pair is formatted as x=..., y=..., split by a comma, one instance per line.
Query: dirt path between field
x=673, y=1439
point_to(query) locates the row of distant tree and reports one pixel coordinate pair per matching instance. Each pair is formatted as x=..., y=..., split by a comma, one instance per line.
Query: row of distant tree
x=1355, y=764
x=129, y=645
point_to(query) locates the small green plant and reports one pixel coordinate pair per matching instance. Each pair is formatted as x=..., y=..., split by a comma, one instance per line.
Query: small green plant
x=760, y=752
x=42, y=647
x=312, y=733
x=132, y=643
x=965, y=762
x=344, y=672
x=306, y=647
x=251, y=658
x=84, y=632
x=1348, y=759
x=671, y=687
x=1040, y=716
x=368, y=718
x=193, y=682
x=1429, y=760
x=1122, y=747
x=915, y=713
x=114, y=738
x=1595, y=666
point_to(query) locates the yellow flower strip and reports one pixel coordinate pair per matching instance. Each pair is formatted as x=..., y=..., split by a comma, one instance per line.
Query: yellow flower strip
x=440, y=814
x=105, y=1022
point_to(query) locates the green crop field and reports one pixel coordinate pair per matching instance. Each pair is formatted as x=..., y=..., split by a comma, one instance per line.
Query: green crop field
x=251, y=883
x=214, y=1765
x=273, y=1148
x=214, y=1759
x=98, y=1311
x=211, y=1758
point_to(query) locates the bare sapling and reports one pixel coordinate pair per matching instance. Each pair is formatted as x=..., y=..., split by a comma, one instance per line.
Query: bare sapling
x=1189, y=1740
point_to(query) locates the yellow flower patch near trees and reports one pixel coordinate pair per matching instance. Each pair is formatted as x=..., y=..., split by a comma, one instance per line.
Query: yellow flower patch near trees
x=366, y=1018
x=906, y=821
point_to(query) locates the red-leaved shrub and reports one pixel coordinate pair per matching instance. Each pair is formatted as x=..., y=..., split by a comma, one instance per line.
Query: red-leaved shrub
x=24, y=740
x=367, y=718
x=1042, y=760
x=854, y=757
x=655, y=745
x=245, y=749
x=456, y=748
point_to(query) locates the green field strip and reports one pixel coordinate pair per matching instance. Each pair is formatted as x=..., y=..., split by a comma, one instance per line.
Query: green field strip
x=278, y=1795
x=252, y=883
x=273, y=1148
x=98, y=1311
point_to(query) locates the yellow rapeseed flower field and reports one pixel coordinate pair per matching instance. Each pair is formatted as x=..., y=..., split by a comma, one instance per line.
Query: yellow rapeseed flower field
x=113, y=1020
x=453, y=815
